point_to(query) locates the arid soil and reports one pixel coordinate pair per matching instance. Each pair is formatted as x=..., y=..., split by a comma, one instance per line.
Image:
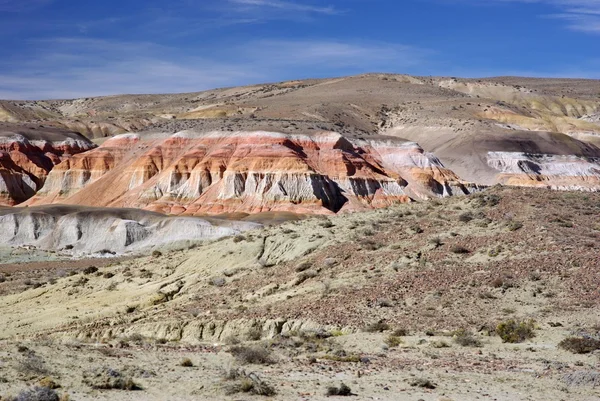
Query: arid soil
x=407, y=302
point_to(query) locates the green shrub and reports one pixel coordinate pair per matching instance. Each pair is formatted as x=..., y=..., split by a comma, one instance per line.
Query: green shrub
x=512, y=331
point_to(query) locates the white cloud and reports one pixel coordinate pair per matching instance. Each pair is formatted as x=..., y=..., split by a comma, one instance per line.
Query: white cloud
x=286, y=6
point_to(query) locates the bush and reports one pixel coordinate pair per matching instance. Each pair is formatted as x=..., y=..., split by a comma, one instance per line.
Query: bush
x=466, y=339
x=460, y=250
x=37, y=394
x=377, y=327
x=186, y=363
x=247, y=383
x=90, y=270
x=512, y=331
x=108, y=379
x=254, y=334
x=393, y=341
x=580, y=345
x=239, y=238
x=423, y=383
x=32, y=364
x=400, y=332
x=256, y=355
x=514, y=225
x=465, y=217
x=436, y=241
x=343, y=391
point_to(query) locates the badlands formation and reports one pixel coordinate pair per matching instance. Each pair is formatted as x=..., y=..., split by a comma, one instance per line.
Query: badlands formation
x=300, y=147
x=317, y=145
x=382, y=236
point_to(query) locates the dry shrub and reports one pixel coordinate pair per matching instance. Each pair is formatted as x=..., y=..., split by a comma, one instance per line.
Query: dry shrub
x=343, y=391
x=255, y=355
x=459, y=249
x=377, y=327
x=37, y=393
x=466, y=338
x=580, y=345
x=250, y=383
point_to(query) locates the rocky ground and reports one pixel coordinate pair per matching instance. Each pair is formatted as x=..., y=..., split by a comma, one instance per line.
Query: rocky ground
x=465, y=298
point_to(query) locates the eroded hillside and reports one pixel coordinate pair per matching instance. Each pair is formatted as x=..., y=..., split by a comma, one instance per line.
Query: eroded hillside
x=383, y=301
x=518, y=131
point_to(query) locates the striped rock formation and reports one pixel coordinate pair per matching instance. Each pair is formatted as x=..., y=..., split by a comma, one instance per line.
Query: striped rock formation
x=559, y=172
x=28, y=155
x=195, y=174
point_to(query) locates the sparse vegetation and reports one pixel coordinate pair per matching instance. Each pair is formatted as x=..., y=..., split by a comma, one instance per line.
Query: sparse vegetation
x=343, y=391
x=393, y=341
x=580, y=345
x=459, y=250
x=254, y=355
x=513, y=331
x=514, y=225
x=238, y=381
x=32, y=364
x=38, y=393
x=423, y=383
x=239, y=238
x=466, y=338
x=377, y=327
x=465, y=217
x=90, y=270
x=186, y=362
x=109, y=379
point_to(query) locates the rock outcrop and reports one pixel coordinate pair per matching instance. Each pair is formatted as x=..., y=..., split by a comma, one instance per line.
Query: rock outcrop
x=27, y=154
x=195, y=174
x=559, y=172
x=81, y=230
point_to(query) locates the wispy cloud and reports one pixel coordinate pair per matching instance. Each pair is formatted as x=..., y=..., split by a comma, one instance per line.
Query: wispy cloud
x=579, y=15
x=17, y=6
x=286, y=6
x=74, y=67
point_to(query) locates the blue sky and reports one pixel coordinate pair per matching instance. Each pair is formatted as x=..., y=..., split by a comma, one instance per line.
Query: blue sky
x=70, y=48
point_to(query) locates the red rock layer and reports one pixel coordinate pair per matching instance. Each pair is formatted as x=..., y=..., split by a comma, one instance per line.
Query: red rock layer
x=26, y=159
x=250, y=172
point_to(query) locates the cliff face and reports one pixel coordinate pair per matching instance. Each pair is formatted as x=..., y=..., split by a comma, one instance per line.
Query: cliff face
x=27, y=156
x=559, y=172
x=82, y=230
x=250, y=172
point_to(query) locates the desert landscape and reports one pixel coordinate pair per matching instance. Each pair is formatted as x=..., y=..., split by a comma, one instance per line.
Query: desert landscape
x=378, y=236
